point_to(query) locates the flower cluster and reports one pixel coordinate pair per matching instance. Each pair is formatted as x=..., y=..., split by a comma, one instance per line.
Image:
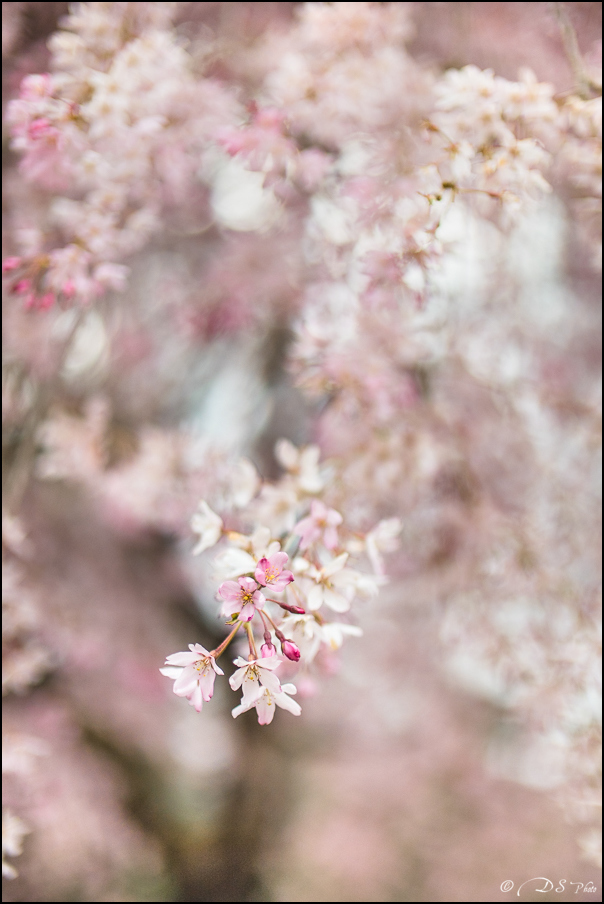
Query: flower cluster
x=271, y=603
x=113, y=125
x=491, y=127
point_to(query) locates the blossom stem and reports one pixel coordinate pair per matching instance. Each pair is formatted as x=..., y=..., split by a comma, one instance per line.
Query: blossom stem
x=296, y=593
x=268, y=618
x=222, y=647
x=571, y=48
x=267, y=633
x=253, y=650
x=280, y=635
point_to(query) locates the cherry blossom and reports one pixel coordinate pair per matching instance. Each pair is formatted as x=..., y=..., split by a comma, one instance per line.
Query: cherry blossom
x=307, y=633
x=242, y=598
x=253, y=673
x=194, y=674
x=265, y=700
x=269, y=572
x=322, y=524
x=208, y=525
x=335, y=632
x=329, y=584
x=383, y=538
x=302, y=464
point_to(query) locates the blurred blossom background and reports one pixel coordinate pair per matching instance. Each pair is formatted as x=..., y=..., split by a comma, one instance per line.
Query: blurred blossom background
x=373, y=228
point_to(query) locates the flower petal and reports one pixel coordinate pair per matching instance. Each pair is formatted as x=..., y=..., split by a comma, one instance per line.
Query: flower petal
x=231, y=562
x=335, y=565
x=181, y=659
x=314, y=600
x=265, y=708
x=206, y=683
x=195, y=699
x=289, y=688
x=287, y=703
x=186, y=681
x=242, y=708
x=230, y=590
x=335, y=601
x=271, y=662
x=278, y=560
x=250, y=688
x=270, y=681
x=172, y=672
x=236, y=679
x=259, y=599
x=247, y=612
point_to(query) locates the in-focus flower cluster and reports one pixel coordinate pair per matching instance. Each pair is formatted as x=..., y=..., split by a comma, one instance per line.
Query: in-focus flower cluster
x=284, y=572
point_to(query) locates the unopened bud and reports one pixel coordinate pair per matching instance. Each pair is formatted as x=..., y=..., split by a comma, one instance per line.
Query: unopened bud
x=23, y=286
x=290, y=650
x=10, y=263
x=268, y=649
x=296, y=610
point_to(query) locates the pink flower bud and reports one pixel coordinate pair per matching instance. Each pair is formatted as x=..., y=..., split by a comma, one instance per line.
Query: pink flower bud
x=69, y=288
x=297, y=610
x=10, y=263
x=40, y=128
x=47, y=301
x=290, y=650
x=268, y=649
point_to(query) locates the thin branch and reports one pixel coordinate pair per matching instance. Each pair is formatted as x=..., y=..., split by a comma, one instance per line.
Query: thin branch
x=571, y=48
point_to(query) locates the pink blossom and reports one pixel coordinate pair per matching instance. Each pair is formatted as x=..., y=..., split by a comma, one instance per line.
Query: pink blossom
x=69, y=288
x=46, y=301
x=242, y=598
x=10, y=263
x=41, y=128
x=270, y=573
x=194, y=674
x=34, y=87
x=320, y=524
